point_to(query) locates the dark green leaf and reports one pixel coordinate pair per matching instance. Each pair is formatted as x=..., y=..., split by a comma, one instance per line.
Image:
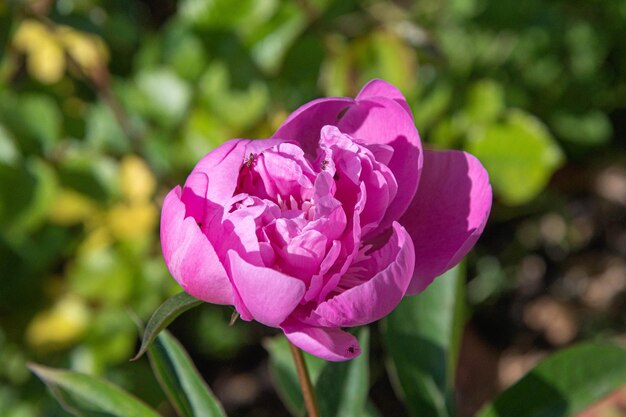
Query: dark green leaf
x=342, y=387
x=163, y=316
x=563, y=384
x=180, y=379
x=422, y=337
x=590, y=129
x=86, y=396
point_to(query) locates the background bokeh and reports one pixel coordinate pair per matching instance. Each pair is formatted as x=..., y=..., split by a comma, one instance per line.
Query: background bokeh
x=106, y=105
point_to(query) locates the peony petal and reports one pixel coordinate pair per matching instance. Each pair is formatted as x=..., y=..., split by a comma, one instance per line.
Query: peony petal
x=448, y=213
x=332, y=344
x=189, y=256
x=270, y=296
x=381, y=88
x=221, y=166
x=379, y=295
x=382, y=120
x=303, y=126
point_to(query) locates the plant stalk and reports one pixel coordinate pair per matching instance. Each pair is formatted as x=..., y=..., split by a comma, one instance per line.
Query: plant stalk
x=308, y=392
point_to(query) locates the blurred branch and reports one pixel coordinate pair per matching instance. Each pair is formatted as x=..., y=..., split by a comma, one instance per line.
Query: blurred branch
x=99, y=78
x=311, y=12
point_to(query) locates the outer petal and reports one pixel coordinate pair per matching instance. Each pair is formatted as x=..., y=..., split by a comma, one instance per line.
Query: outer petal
x=379, y=295
x=448, y=213
x=221, y=166
x=303, y=126
x=332, y=344
x=381, y=88
x=189, y=255
x=380, y=120
x=270, y=296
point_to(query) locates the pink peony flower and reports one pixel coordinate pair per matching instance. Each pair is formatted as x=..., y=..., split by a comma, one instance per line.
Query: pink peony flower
x=327, y=224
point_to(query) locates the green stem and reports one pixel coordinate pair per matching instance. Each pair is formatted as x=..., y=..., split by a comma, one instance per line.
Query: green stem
x=308, y=392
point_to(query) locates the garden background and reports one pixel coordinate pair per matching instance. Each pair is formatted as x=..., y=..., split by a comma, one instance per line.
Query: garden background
x=106, y=105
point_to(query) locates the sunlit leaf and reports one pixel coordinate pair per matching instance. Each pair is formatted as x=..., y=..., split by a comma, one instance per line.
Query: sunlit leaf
x=184, y=52
x=103, y=131
x=166, y=95
x=485, y=101
x=271, y=40
x=9, y=154
x=86, y=395
x=226, y=14
x=59, y=326
x=238, y=108
x=519, y=154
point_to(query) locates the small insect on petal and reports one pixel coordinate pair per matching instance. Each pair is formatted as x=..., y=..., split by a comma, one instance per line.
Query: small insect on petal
x=250, y=160
x=324, y=164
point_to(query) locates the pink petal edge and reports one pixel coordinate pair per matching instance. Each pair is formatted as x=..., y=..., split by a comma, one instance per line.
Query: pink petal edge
x=381, y=88
x=189, y=255
x=448, y=213
x=331, y=344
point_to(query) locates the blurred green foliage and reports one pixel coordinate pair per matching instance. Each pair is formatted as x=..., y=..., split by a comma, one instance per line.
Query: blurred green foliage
x=104, y=105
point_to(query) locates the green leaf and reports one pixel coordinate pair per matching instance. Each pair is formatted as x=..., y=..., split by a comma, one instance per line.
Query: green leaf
x=422, y=337
x=163, y=316
x=371, y=410
x=44, y=192
x=166, y=96
x=433, y=106
x=86, y=395
x=103, y=131
x=184, y=52
x=234, y=107
x=563, y=384
x=589, y=129
x=342, y=387
x=180, y=379
x=271, y=40
x=46, y=111
x=485, y=101
x=18, y=113
x=284, y=376
x=226, y=14
x=381, y=54
x=519, y=154
x=9, y=153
